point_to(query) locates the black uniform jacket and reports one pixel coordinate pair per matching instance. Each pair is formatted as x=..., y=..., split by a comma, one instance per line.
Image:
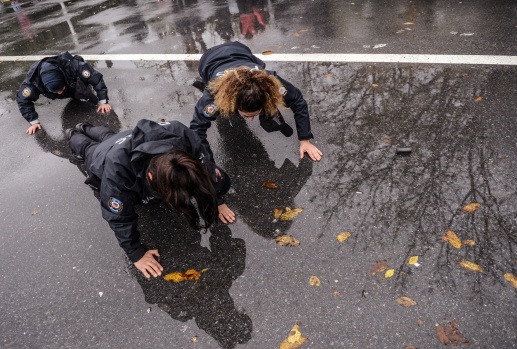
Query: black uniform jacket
x=78, y=75
x=121, y=163
x=232, y=55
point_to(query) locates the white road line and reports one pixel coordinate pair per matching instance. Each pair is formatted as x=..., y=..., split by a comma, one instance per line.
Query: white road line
x=306, y=57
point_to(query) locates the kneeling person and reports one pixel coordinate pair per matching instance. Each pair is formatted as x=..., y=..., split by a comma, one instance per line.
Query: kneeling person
x=154, y=160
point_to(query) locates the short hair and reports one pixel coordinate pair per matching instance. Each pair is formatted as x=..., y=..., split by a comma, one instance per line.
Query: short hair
x=177, y=178
x=246, y=89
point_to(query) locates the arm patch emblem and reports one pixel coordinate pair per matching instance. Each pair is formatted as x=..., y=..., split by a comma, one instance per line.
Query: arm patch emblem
x=283, y=91
x=85, y=73
x=26, y=92
x=115, y=205
x=210, y=110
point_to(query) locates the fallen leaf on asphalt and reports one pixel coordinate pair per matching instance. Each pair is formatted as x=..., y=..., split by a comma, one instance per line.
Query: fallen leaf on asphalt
x=409, y=347
x=471, y=208
x=267, y=52
x=512, y=279
x=295, y=338
x=314, y=281
x=442, y=336
x=389, y=273
x=405, y=301
x=470, y=266
x=194, y=339
x=479, y=99
x=452, y=238
x=363, y=293
x=34, y=212
x=343, y=236
x=277, y=212
x=387, y=140
x=408, y=23
x=379, y=266
x=299, y=32
x=413, y=260
x=336, y=294
x=290, y=214
x=287, y=240
x=419, y=323
x=468, y=242
x=375, y=85
x=190, y=275
x=449, y=333
x=162, y=119
x=329, y=75
x=269, y=184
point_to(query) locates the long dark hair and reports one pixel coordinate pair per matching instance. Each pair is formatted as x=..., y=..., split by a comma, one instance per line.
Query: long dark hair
x=177, y=178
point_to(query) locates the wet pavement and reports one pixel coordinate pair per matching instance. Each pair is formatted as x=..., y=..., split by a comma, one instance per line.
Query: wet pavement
x=65, y=283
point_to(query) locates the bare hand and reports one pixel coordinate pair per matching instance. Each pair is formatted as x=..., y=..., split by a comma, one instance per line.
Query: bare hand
x=148, y=265
x=307, y=147
x=218, y=174
x=32, y=130
x=104, y=108
x=225, y=214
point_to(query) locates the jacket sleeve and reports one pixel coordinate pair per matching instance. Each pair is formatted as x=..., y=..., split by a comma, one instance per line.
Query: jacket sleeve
x=25, y=98
x=91, y=76
x=293, y=99
x=118, y=210
x=204, y=113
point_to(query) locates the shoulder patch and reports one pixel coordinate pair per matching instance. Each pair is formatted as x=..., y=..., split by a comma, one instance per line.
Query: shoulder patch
x=283, y=91
x=85, y=73
x=26, y=92
x=210, y=110
x=115, y=205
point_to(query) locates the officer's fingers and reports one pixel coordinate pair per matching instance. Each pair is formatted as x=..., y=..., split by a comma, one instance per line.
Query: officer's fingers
x=222, y=218
x=154, y=252
x=152, y=270
x=144, y=271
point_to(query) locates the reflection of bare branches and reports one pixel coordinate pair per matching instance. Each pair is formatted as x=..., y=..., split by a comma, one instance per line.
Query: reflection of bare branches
x=412, y=201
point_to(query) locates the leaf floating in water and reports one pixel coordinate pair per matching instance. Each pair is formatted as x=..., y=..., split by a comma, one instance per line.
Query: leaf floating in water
x=287, y=240
x=471, y=208
x=468, y=242
x=511, y=279
x=413, y=260
x=269, y=184
x=314, y=281
x=379, y=267
x=267, y=52
x=343, y=236
x=190, y=275
x=277, y=213
x=295, y=339
x=389, y=273
x=405, y=302
x=470, y=266
x=452, y=238
x=290, y=214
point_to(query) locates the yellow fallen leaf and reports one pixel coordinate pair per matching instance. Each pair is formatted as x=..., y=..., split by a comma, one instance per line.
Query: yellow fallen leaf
x=329, y=75
x=299, y=32
x=194, y=339
x=452, y=238
x=405, y=301
x=512, y=279
x=479, y=99
x=375, y=85
x=343, y=236
x=413, y=260
x=470, y=266
x=389, y=273
x=408, y=23
x=203, y=270
x=314, y=281
x=290, y=214
x=267, y=52
x=190, y=275
x=287, y=240
x=277, y=213
x=468, y=242
x=471, y=208
x=295, y=338
x=269, y=184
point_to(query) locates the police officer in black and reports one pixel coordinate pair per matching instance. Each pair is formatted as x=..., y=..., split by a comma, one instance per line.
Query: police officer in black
x=234, y=81
x=62, y=76
x=153, y=161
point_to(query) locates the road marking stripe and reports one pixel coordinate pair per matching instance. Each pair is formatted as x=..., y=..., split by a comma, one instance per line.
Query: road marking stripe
x=306, y=57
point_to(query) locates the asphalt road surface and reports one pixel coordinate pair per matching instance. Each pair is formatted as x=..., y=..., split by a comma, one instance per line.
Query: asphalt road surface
x=65, y=283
